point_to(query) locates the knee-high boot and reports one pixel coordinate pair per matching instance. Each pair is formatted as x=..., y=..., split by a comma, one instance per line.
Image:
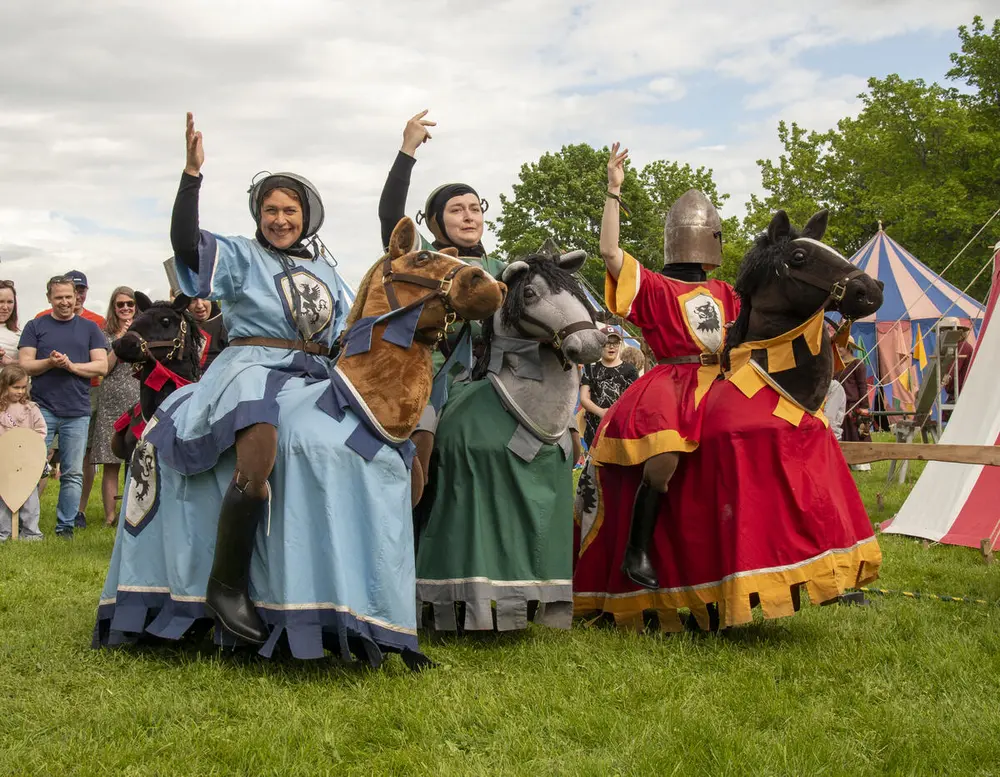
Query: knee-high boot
x=636, y=566
x=228, y=595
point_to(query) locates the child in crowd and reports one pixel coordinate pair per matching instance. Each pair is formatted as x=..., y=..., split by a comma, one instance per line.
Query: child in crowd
x=635, y=357
x=17, y=410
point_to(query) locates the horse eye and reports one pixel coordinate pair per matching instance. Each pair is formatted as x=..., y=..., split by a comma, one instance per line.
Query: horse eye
x=530, y=293
x=423, y=257
x=798, y=256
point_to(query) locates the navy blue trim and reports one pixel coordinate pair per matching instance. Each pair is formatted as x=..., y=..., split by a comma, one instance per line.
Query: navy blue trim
x=310, y=633
x=402, y=329
x=359, y=337
x=208, y=252
x=189, y=457
x=366, y=440
x=289, y=316
x=155, y=507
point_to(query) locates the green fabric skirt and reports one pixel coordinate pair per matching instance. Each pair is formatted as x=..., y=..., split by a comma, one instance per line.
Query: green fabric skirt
x=495, y=532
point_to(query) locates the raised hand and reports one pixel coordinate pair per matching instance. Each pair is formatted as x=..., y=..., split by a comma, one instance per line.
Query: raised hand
x=616, y=168
x=415, y=133
x=195, y=149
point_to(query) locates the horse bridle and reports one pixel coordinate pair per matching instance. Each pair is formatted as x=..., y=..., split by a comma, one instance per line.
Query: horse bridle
x=836, y=290
x=439, y=289
x=176, y=346
x=552, y=338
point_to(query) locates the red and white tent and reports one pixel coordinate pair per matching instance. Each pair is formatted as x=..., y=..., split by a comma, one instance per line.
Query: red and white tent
x=959, y=504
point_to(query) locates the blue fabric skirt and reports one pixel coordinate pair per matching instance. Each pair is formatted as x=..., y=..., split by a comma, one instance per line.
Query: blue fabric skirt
x=333, y=567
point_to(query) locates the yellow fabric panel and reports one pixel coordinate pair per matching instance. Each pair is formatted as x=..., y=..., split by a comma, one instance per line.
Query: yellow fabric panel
x=748, y=381
x=789, y=411
x=619, y=294
x=780, y=357
x=706, y=377
x=824, y=578
x=625, y=453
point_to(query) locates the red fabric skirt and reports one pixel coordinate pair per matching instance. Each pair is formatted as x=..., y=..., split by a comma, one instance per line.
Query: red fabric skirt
x=761, y=508
x=658, y=413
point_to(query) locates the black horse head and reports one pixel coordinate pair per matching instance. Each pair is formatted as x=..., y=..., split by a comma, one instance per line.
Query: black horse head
x=163, y=332
x=788, y=275
x=786, y=278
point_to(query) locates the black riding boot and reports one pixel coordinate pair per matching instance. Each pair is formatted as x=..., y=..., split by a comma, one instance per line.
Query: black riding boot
x=228, y=595
x=637, y=567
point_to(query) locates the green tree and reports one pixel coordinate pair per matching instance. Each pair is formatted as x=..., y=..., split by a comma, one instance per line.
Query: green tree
x=915, y=159
x=562, y=196
x=979, y=65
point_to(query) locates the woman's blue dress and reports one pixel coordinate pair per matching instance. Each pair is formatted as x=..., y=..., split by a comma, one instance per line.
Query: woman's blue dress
x=333, y=565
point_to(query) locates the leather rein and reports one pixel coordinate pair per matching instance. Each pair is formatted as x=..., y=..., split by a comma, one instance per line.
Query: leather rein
x=439, y=289
x=552, y=338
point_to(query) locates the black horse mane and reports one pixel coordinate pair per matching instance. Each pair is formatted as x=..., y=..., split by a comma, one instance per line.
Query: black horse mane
x=760, y=264
x=555, y=277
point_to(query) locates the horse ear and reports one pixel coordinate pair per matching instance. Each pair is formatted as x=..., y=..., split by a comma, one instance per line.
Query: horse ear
x=449, y=251
x=572, y=262
x=405, y=238
x=512, y=270
x=780, y=227
x=142, y=302
x=816, y=226
x=180, y=303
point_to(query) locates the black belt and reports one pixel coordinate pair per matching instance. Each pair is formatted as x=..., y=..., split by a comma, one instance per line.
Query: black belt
x=704, y=359
x=291, y=345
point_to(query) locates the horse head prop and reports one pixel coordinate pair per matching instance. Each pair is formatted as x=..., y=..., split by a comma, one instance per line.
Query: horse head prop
x=406, y=303
x=787, y=280
x=544, y=328
x=165, y=346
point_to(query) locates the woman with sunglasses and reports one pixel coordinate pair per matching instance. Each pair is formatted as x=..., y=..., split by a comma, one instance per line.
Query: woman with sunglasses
x=119, y=393
x=9, y=333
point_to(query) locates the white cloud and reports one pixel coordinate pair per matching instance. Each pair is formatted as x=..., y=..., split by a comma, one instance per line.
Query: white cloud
x=91, y=134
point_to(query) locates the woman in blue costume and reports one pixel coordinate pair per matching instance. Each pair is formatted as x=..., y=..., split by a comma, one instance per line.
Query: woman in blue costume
x=242, y=505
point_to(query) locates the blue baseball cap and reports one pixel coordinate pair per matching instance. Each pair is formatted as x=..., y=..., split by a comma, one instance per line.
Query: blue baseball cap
x=78, y=278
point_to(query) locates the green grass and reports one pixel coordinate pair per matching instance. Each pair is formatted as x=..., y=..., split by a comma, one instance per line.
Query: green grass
x=899, y=687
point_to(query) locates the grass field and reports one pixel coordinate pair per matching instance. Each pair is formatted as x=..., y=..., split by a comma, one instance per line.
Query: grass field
x=899, y=687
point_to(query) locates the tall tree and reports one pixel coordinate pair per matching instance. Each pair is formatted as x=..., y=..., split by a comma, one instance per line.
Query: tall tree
x=915, y=159
x=562, y=196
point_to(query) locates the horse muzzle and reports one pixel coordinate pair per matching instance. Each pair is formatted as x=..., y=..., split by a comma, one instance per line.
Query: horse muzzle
x=584, y=346
x=862, y=297
x=475, y=295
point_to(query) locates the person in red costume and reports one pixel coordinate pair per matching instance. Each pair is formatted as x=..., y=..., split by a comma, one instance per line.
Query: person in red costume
x=683, y=317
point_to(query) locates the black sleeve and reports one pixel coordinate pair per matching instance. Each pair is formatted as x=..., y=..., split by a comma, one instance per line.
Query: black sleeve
x=184, y=230
x=632, y=374
x=586, y=378
x=392, y=204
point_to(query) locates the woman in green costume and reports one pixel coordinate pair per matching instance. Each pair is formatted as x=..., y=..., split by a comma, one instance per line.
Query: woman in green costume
x=495, y=528
x=454, y=214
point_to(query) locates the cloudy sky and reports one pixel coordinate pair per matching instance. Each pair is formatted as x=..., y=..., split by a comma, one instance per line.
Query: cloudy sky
x=93, y=99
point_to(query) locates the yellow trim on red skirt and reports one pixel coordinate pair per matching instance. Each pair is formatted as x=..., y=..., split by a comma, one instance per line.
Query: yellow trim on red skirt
x=616, y=450
x=825, y=577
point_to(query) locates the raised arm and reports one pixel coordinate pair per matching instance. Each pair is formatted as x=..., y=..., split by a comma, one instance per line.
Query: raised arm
x=392, y=203
x=611, y=252
x=184, y=229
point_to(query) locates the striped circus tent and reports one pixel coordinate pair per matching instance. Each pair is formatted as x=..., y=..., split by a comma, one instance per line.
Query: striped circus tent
x=915, y=298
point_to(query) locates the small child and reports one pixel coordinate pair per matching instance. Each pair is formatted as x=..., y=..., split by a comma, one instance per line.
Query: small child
x=634, y=356
x=17, y=410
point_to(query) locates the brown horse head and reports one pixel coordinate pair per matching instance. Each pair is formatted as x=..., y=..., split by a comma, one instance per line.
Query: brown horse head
x=408, y=276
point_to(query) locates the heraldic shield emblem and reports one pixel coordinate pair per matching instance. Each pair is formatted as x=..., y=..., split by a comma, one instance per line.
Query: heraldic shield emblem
x=143, y=498
x=316, y=304
x=705, y=319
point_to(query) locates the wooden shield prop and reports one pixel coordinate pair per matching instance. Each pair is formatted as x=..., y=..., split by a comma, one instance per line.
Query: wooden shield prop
x=22, y=461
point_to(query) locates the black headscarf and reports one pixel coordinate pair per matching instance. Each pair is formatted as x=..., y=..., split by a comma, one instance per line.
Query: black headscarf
x=434, y=210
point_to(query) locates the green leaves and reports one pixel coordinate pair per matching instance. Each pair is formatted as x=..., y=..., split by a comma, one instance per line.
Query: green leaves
x=562, y=195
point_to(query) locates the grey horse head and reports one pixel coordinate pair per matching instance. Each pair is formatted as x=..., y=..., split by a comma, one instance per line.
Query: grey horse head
x=545, y=302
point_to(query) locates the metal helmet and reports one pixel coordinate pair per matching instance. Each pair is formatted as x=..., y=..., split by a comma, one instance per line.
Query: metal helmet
x=312, y=205
x=692, y=232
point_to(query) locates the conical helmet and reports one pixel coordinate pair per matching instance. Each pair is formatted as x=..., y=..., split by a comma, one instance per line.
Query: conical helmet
x=693, y=231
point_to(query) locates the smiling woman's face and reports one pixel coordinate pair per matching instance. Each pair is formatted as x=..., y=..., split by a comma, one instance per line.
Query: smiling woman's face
x=281, y=219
